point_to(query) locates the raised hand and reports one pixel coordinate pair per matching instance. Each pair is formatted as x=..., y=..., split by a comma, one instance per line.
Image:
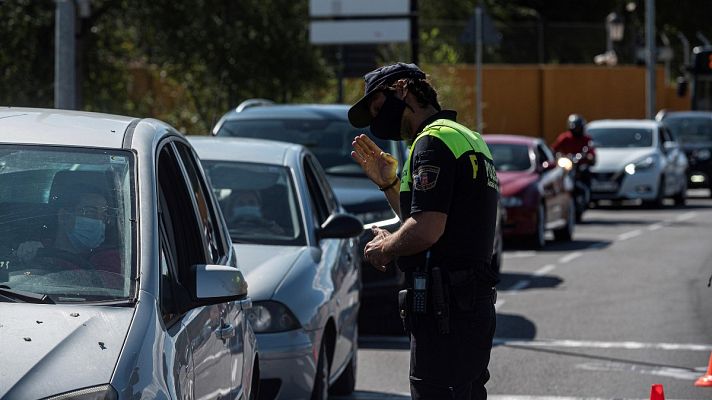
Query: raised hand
x=378, y=165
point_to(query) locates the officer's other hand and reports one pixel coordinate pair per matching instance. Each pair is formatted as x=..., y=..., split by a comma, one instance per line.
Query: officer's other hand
x=374, y=252
x=378, y=165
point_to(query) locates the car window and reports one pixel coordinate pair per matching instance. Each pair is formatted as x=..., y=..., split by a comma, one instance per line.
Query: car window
x=329, y=140
x=316, y=197
x=183, y=237
x=621, y=137
x=66, y=222
x=510, y=157
x=259, y=202
x=690, y=130
x=327, y=192
x=201, y=196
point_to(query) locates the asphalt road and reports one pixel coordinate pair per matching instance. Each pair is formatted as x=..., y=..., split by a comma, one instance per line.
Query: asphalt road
x=623, y=306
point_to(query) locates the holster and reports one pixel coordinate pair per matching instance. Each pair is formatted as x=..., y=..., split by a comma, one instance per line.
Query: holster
x=405, y=301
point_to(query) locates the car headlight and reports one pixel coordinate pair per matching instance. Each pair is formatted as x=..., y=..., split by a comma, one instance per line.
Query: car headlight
x=512, y=201
x=271, y=316
x=103, y=392
x=377, y=218
x=703, y=154
x=646, y=163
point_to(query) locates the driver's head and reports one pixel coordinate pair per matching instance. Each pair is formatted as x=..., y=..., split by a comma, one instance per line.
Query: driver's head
x=576, y=124
x=82, y=217
x=246, y=203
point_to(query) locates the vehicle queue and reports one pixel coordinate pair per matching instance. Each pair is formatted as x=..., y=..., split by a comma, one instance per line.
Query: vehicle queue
x=175, y=216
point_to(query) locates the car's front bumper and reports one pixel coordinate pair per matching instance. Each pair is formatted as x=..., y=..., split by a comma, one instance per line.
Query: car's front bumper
x=287, y=364
x=622, y=186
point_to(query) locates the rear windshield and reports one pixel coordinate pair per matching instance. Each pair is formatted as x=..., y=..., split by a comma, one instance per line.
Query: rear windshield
x=621, y=137
x=65, y=222
x=510, y=157
x=329, y=140
x=690, y=130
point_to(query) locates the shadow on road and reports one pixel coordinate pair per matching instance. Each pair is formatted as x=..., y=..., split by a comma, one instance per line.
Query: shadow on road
x=573, y=245
x=368, y=395
x=509, y=280
x=514, y=327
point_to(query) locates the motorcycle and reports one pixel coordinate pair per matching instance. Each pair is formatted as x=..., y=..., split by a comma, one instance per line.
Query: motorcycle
x=578, y=165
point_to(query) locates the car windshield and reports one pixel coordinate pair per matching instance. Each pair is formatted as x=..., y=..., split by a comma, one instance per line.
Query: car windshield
x=690, y=130
x=510, y=157
x=66, y=223
x=329, y=140
x=621, y=137
x=258, y=202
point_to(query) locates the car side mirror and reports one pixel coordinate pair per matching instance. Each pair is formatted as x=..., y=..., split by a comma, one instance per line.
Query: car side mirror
x=340, y=226
x=218, y=284
x=670, y=145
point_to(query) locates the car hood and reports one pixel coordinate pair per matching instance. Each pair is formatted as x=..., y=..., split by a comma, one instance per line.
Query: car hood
x=46, y=341
x=265, y=266
x=512, y=183
x=357, y=194
x=612, y=160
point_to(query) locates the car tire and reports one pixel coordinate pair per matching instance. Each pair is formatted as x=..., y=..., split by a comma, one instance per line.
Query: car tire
x=538, y=239
x=346, y=383
x=680, y=197
x=566, y=234
x=320, y=390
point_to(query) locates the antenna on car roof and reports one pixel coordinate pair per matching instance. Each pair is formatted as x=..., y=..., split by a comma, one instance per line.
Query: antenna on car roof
x=253, y=103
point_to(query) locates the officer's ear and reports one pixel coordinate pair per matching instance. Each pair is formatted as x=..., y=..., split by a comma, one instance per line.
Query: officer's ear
x=401, y=88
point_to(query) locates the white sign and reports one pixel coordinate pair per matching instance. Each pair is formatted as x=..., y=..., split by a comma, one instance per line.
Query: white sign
x=359, y=31
x=346, y=8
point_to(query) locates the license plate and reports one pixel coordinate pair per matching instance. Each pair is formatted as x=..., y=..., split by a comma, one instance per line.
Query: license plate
x=604, y=186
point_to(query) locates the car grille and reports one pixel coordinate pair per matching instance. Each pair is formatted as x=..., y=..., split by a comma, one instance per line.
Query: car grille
x=608, y=177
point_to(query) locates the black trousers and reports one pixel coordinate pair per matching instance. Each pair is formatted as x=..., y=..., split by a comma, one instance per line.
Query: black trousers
x=454, y=365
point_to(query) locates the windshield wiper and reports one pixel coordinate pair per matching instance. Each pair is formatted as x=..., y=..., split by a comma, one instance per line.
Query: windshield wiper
x=25, y=297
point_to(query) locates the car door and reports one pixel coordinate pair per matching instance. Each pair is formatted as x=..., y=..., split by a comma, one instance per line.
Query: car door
x=677, y=160
x=194, y=236
x=338, y=256
x=551, y=181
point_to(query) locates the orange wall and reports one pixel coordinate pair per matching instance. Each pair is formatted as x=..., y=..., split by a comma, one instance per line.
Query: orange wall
x=535, y=100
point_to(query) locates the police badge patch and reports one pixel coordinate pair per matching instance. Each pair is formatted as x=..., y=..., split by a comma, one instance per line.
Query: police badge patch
x=425, y=177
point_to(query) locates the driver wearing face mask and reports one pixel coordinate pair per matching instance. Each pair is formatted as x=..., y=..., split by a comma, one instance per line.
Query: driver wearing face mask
x=82, y=219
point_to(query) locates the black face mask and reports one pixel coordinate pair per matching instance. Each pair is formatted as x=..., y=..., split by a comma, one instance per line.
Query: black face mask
x=387, y=124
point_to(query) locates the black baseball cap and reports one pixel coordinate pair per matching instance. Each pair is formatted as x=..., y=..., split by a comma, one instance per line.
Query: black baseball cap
x=359, y=114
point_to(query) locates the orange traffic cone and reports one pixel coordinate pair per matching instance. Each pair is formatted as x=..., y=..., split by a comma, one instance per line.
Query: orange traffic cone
x=656, y=392
x=706, y=379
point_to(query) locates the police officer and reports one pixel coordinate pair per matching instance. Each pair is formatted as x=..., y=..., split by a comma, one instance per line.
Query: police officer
x=447, y=200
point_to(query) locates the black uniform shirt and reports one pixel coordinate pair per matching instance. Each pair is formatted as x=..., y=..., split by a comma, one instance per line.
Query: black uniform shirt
x=450, y=170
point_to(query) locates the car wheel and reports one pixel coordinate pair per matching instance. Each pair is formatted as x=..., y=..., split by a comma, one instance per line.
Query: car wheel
x=566, y=234
x=658, y=201
x=346, y=384
x=539, y=238
x=320, y=390
x=681, y=196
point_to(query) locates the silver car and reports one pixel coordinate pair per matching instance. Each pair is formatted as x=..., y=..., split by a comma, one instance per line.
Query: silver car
x=117, y=277
x=301, y=259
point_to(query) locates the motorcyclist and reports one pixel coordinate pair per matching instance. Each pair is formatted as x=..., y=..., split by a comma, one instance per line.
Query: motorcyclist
x=578, y=146
x=576, y=141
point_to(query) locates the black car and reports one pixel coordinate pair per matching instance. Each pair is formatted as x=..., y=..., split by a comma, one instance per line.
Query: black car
x=326, y=131
x=693, y=129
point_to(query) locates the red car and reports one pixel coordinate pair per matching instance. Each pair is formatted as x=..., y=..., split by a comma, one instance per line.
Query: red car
x=535, y=190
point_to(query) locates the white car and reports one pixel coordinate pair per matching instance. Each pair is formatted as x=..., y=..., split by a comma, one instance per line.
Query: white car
x=636, y=159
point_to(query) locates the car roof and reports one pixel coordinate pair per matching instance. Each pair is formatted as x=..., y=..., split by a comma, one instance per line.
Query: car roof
x=300, y=111
x=623, y=123
x=244, y=149
x=687, y=114
x=510, y=139
x=62, y=127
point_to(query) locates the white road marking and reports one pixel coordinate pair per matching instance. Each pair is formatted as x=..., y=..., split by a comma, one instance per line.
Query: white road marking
x=592, y=344
x=518, y=286
x=656, y=226
x=629, y=235
x=519, y=254
x=686, y=216
x=570, y=257
x=544, y=270
x=685, y=374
